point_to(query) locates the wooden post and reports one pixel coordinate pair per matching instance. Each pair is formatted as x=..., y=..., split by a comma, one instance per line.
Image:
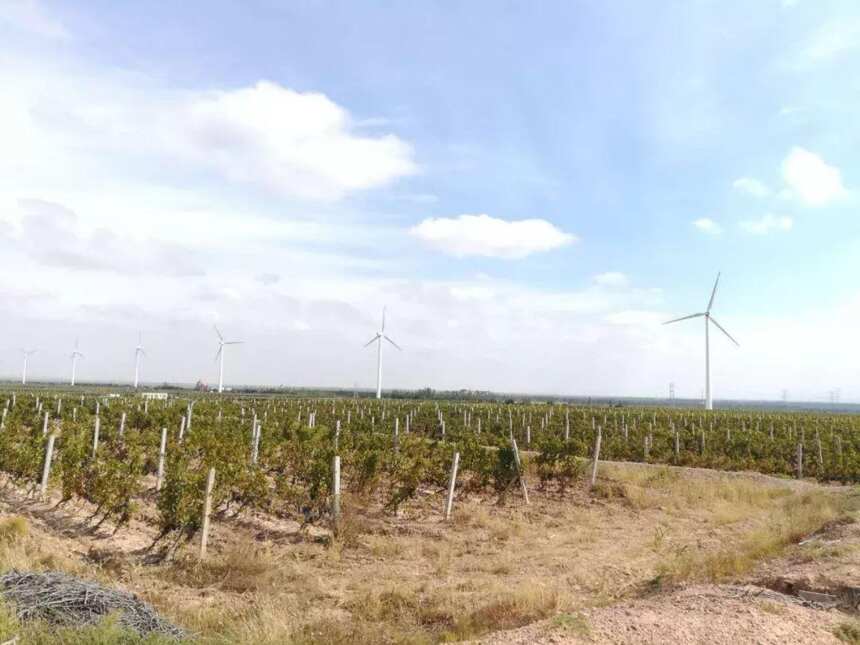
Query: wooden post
x=207, y=510
x=452, y=481
x=181, y=428
x=800, y=461
x=45, y=424
x=519, y=466
x=96, y=429
x=335, y=494
x=677, y=446
x=46, y=469
x=567, y=425
x=161, y=453
x=596, y=457
x=122, y=425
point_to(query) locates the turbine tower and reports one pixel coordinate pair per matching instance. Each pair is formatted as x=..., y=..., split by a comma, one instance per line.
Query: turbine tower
x=380, y=336
x=75, y=356
x=709, y=404
x=138, y=352
x=220, y=355
x=27, y=354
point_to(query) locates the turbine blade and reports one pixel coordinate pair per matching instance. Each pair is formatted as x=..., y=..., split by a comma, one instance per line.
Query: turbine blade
x=392, y=342
x=220, y=337
x=720, y=327
x=713, y=293
x=372, y=340
x=383, y=319
x=669, y=322
x=234, y=342
x=218, y=353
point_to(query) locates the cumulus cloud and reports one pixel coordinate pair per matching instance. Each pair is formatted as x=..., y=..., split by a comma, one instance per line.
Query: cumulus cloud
x=768, y=224
x=708, y=226
x=611, y=279
x=482, y=235
x=751, y=186
x=294, y=144
x=810, y=179
x=299, y=143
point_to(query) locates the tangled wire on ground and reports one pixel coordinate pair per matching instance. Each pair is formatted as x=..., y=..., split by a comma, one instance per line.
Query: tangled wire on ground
x=61, y=599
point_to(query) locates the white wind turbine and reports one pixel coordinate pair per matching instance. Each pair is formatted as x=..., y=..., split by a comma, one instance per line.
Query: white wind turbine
x=709, y=404
x=75, y=356
x=380, y=335
x=220, y=355
x=27, y=354
x=138, y=352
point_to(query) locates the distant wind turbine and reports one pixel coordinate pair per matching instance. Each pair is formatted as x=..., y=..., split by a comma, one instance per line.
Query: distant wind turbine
x=138, y=352
x=27, y=354
x=709, y=404
x=75, y=356
x=380, y=335
x=220, y=355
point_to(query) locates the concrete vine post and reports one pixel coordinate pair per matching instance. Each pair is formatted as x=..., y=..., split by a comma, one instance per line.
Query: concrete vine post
x=335, y=494
x=46, y=468
x=520, y=474
x=161, y=454
x=597, y=440
x=452, y=482
x=207, y=511
x=96, y=430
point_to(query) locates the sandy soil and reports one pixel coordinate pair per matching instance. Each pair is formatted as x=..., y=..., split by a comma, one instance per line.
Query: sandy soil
x=718, y=615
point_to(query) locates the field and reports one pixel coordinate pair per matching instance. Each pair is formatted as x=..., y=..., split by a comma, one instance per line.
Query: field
x=531, y=550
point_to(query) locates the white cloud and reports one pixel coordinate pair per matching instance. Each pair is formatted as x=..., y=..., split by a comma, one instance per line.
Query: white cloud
x=751, y=186
x=29, y=16
x=708, y=226
x=482, y=235
x=767, y=224
x=300, y=143
x=68, y=127
x=611, y=279
x=811, y=179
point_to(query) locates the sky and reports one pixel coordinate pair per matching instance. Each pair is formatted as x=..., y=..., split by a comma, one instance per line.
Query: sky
x=530, y=189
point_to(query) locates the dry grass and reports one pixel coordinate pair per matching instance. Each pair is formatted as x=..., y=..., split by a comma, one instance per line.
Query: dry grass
x=848, y=632
x=786, y=523
x=413, y=578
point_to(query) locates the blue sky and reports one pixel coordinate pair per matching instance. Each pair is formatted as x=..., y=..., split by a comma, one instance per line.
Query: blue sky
x=285, y=169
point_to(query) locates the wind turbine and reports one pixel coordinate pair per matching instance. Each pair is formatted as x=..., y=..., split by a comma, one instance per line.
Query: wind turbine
x=138, y=352
x=27, y=354
x=709, y=404
x=380, y=335
x=75, y=355
x=221, y=344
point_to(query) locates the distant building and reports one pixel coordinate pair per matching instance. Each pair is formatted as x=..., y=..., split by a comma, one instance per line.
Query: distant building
x=160, y=396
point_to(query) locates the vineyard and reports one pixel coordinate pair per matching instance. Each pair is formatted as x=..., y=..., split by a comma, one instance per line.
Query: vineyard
x=310, y=520
x=276, y=455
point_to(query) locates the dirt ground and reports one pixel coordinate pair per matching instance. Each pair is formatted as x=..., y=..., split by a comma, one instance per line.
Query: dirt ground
x=638, y=560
